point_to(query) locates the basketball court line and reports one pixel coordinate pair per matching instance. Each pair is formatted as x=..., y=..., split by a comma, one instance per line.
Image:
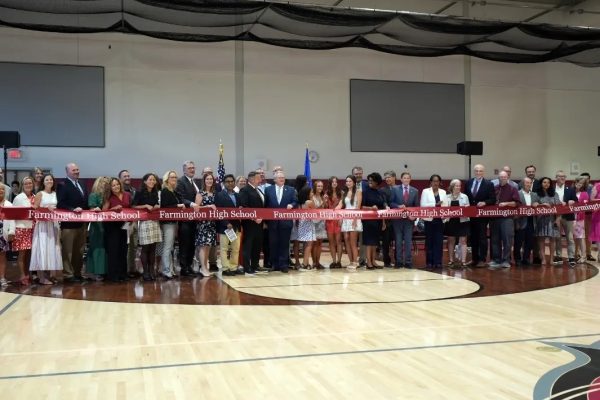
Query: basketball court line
x=9, y=305
x=295, y=356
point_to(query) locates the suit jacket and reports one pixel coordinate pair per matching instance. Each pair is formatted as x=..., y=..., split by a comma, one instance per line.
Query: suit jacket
x=428, y=199
x=222, y=199
x=186, y=190
x=398, y=196
x=569, y=195
x=521, y=223
x=69, y=198
x=289, y=196
x=249, y=197
x=485, y=193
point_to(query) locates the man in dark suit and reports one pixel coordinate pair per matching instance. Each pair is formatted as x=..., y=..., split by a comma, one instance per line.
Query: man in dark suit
x=524, y=226
x=530, y=171
x=387, y=236
x=481, y=193
x=567, y=196
x=187, y=188
x=251, y=196
x=280, y=195
x=72, y=196
x=227, y=198
x=403, y=196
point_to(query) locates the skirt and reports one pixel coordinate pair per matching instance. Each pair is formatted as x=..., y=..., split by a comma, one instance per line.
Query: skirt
x=306, y=230
x=333, y=226
x=348, y=226
x=23, y=239
x=149, y=232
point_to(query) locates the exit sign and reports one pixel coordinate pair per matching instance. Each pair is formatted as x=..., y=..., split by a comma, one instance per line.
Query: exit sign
x=15, y=155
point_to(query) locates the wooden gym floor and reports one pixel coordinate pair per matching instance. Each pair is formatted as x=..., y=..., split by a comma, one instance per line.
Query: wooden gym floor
x=382, y=334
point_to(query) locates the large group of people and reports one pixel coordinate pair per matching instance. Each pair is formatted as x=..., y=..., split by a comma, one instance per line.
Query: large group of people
x=45, y=247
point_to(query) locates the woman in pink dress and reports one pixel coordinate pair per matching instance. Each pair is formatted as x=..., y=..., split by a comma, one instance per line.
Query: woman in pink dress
x=579, y=225
x=595, y=228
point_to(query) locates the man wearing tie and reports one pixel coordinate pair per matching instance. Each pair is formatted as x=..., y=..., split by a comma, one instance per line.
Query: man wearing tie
x=481, y=193
x=280, y=196
x=228, y=199
x=187, y=188
x=404, y=196
x=251, y=196
x=72, y=196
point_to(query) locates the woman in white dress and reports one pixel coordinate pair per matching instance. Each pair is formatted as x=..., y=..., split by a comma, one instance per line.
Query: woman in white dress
x=45, y=248
x=351, y=200
x=7, y=234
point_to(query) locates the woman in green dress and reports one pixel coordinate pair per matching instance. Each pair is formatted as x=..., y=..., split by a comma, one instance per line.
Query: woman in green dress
x=96, y=255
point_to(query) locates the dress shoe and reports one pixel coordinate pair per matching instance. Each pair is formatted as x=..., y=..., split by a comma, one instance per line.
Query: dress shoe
x=213, y=267
x=285, y=270
x=71, y=279
x=525, y=263
x=590, y=258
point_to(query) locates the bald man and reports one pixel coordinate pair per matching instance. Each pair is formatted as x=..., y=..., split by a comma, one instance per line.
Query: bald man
x=481, y=193
x=72, y=196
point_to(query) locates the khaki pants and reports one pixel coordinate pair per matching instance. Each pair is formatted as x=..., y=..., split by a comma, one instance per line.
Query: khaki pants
x=73, y=242
x=229, y=263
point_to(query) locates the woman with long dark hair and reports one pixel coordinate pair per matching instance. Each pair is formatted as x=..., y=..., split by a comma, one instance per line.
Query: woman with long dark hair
x=351, y=200
x=115, y=237
x=546, y=226
x=334, y=226
x=206, y=233
x=149, y=233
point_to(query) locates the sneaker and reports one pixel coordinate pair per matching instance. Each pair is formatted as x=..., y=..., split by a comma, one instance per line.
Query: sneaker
x=581, y=260
x=494, y=264
x=572, y=262
x=4, y=282
x=590, y=258
x=557, y=260
x=505, y=265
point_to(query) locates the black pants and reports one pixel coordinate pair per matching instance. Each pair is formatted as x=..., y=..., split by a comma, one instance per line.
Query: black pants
x=252, y=242
x=186, y=238
x=479, y=240
x=524, y=240
x=115, y=243
x=387, y=237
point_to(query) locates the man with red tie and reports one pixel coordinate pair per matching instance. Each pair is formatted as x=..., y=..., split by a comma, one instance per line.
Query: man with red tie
x=481, y=193
x=403, y=196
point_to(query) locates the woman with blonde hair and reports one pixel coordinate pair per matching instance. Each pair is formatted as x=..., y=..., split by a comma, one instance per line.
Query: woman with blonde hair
x=7, y=228
x=96, y=255
x=24, y=230
x=456, y=227
x=169, y=199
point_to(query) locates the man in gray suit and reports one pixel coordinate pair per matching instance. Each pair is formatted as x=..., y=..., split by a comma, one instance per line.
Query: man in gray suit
x=524, y=226
x=403, y=196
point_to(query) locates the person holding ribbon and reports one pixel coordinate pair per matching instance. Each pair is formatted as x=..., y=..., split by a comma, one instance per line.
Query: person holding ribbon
x=24, y=230
x=456, y=227
x=433, y=196
x=546, y=226
x=333, y=226
x=7, y=234
x=351, y=200
x=45, y=248
x=115, y=233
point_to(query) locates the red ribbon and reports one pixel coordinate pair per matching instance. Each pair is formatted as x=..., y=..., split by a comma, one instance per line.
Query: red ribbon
x=188, y=214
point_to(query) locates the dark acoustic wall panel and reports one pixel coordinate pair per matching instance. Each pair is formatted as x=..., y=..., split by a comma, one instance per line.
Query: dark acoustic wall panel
x=53, y=105
x=410, y=117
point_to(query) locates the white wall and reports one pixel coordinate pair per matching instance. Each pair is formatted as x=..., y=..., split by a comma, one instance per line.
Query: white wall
x=169, y=101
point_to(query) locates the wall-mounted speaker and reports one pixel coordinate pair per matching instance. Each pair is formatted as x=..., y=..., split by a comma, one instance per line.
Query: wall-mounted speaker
x=10, y=139
x=470, y=148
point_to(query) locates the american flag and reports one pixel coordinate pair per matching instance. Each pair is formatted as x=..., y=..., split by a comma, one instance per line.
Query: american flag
x=221, y=168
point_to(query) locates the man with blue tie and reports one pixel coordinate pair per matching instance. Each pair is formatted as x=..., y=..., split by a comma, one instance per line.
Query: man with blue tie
x=403, y=196
x=481, y=193
x=280, y=195
x=72, y=196
x=229, y=199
